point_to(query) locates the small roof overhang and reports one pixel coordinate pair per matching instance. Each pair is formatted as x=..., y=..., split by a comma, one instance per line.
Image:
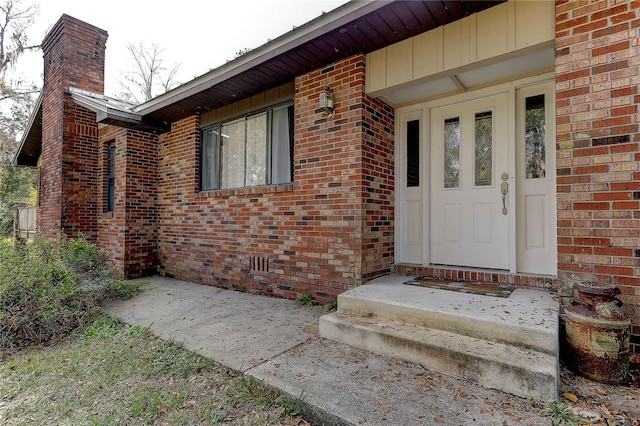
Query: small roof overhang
x=359, y=26
x=31, y=142
x=114, y=111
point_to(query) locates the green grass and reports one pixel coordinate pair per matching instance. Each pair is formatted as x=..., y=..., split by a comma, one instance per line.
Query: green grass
x=331, y=305
x=114, y=374
x=306, y=299
x=561, y=415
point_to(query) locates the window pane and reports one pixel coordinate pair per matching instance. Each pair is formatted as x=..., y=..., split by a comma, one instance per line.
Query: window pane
x=210, y=159
x=535, y=137
x=413, y=153
x=252, y=151
x=256, y=170
x=281, y=145
x=111, y=176
x=452, y=153
x=233, y=149
x=484, y=149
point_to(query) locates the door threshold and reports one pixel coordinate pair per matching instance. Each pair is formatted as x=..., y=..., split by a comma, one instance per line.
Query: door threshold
x=457, y=273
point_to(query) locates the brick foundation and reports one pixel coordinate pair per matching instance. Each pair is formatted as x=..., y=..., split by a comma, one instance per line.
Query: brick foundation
x=471, y=274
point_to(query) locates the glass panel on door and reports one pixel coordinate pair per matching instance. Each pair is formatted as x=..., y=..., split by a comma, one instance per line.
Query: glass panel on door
x=484, y=149
x=413, y=153
x=534, y=137
x=452, y=153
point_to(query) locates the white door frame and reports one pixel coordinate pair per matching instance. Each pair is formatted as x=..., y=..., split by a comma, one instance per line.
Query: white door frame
x=410, y=215
x=425, y=108
x=537, y=251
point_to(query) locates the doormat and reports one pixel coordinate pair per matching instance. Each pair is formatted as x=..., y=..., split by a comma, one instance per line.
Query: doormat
x=484, y=289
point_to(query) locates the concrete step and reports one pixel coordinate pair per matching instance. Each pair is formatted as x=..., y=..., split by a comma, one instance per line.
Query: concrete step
x=522, y=372
x=527, y=318
x=509, y=344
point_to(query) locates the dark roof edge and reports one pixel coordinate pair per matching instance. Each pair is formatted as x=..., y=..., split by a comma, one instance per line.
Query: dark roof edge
x=296, y=37
x=37, y=110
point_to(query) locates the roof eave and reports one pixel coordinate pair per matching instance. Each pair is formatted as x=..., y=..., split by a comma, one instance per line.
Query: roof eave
x=298, y=36
x=28, y=137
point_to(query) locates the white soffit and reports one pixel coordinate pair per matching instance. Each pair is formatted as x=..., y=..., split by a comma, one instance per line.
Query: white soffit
x=509, y=68
x=480, y=76
x=422, y=91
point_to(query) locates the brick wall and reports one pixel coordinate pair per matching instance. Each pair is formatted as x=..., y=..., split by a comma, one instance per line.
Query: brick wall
x=129, y=232
x=73, y=56
x=346, y=165
x=112, y=225
x=79, y=173
x=598, y=184
x=141, y=174
x=309, y=233
x=377, y=144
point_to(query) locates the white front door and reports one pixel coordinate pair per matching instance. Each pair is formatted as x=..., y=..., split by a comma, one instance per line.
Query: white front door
x=470, y=168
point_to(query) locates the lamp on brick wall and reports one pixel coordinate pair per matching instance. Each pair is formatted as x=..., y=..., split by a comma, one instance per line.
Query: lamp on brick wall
x=326, y=102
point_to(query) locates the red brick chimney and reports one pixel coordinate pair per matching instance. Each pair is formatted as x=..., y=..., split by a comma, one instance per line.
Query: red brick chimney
x=68, y=192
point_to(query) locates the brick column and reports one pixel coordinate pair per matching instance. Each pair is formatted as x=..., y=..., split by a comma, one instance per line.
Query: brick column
x=129, y=232
x=597, y=78
x=344, y=165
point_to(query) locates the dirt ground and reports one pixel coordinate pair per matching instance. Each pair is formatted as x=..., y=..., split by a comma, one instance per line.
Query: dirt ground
x=604, y=404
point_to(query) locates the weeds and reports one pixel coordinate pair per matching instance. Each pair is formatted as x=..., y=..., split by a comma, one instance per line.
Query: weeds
x=170, y=358
x=293, y=409
x=331, y=305
x=306, y=299
x=112, y=373
x=49, y=288
x=562, y=415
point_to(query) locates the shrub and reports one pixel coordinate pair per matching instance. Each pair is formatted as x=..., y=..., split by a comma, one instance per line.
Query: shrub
x=49, y=288
x=82, y=256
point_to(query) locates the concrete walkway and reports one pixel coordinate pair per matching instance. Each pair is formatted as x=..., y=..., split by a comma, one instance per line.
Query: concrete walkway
x=276, y=341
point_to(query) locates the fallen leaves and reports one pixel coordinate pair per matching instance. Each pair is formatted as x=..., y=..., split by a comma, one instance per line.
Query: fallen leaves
x=570, y=396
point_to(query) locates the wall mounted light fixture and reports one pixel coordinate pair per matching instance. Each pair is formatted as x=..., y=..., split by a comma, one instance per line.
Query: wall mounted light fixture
x=327, y=102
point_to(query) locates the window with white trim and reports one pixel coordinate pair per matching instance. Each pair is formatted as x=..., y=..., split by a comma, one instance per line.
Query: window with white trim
x=250, y=151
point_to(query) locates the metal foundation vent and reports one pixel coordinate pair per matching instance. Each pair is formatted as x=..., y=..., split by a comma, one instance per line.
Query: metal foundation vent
x=259, y=263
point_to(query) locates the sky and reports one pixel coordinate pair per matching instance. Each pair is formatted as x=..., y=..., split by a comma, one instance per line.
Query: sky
x=197, y=34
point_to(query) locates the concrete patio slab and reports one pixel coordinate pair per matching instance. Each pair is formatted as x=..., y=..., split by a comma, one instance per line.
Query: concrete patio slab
x=238, y=330
x=276, y=341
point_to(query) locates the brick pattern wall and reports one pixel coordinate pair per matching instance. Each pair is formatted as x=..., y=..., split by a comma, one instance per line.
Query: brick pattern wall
x=140, y=183
x=73, y=55
x=598, y=184
x=346, y=170
x=129, y=232
x=285, y=240
x=112, y=226
x=79, y=172
x=378, y=186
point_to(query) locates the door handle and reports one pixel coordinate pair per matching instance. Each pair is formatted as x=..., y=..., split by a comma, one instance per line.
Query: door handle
x=504, y=189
